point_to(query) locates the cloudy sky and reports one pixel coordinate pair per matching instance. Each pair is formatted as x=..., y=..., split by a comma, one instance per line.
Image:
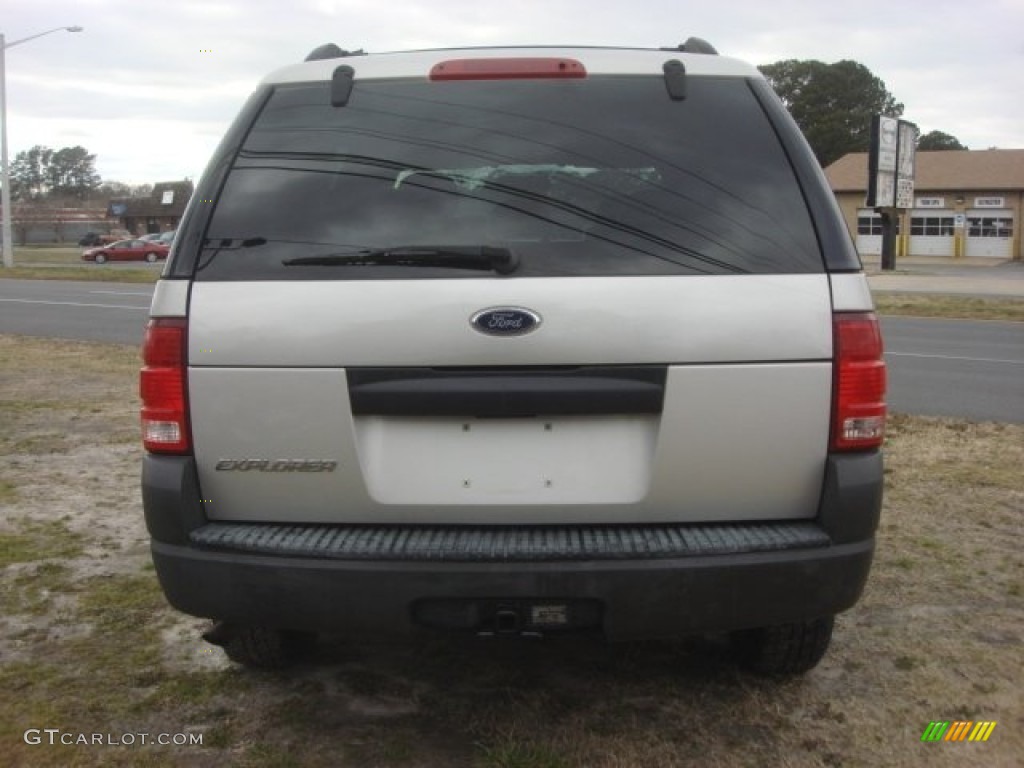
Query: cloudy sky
x=150, y=85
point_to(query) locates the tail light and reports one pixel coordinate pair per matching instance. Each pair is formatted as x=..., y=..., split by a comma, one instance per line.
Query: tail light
x=858, y=415
x=508, y=69
x=162, y=387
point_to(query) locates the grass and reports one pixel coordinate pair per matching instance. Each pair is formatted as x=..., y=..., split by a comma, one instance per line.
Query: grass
x=518, y=752
x=90, y=645
x=34, y=590
x=948, y=306
x=57, y=254
x=33, y=541
x=85, y=273
x=101, y=675
x=21, y=357
x=8, y=492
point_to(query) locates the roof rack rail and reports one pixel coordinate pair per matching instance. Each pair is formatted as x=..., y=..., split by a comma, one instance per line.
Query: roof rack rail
x=695, y=45
x=331, y=51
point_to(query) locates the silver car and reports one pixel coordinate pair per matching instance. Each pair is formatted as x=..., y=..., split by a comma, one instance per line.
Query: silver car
x=503, y=341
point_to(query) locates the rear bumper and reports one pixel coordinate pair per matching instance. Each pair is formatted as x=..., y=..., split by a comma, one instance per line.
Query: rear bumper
x=640, y=599
x=658, y=594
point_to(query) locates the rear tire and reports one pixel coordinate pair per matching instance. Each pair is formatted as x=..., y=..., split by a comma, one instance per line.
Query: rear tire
x=260, y=647
x=785, y=649
x=151, y=258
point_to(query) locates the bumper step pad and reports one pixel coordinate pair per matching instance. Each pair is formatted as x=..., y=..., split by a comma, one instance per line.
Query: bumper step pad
x=506, y=544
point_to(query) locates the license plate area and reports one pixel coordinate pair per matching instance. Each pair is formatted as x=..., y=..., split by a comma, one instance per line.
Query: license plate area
x=533, y=460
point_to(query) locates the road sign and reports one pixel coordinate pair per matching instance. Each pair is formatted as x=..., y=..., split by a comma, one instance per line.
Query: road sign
x=891, y=163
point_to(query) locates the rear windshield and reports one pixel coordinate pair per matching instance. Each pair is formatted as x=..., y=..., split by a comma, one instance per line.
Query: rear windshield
x=601, y=176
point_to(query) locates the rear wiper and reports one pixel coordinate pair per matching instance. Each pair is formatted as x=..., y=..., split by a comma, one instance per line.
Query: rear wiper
x=482, y=257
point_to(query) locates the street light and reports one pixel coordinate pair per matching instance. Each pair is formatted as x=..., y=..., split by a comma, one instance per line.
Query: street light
x=5, y=194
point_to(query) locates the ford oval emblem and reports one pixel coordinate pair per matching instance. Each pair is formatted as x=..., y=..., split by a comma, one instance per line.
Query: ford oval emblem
x=505, y=321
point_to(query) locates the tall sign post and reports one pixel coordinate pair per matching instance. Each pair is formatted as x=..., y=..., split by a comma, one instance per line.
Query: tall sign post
x=891, y=177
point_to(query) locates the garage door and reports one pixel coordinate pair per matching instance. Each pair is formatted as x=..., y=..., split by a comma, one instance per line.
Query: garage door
x=990, y=234
x=931, y=233
x=869, y=233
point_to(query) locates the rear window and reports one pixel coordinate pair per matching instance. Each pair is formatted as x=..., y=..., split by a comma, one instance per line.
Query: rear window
x=594, y=177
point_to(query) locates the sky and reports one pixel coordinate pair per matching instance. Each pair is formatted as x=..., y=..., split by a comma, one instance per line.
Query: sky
x=149, y=86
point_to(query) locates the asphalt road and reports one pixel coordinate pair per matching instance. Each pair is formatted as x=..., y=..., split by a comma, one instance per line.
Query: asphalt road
x=970, y=369
x=960, y=368
x=71, y=309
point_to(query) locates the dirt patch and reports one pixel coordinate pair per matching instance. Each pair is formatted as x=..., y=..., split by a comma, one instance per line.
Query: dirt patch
x=88, y=644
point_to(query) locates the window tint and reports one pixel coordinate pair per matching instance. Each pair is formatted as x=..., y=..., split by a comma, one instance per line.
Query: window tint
x=603, y=176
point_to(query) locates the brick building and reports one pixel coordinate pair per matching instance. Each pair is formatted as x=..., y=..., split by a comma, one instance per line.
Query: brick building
x=160, y=212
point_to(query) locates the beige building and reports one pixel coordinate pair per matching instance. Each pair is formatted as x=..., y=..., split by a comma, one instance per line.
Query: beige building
x=967, y=204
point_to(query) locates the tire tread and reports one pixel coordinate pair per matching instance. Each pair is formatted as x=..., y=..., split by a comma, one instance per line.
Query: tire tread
x=785, y=649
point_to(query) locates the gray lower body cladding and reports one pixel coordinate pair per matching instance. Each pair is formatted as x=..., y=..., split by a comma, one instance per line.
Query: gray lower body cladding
x=647, y=581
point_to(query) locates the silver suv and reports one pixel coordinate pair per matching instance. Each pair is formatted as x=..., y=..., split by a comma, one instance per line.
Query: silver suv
x=522, y=340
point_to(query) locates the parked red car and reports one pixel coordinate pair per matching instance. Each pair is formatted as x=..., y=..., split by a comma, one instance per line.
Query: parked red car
x=127, y=250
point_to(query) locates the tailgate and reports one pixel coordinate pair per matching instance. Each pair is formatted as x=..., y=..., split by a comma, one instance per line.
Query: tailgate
x=698, y=398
